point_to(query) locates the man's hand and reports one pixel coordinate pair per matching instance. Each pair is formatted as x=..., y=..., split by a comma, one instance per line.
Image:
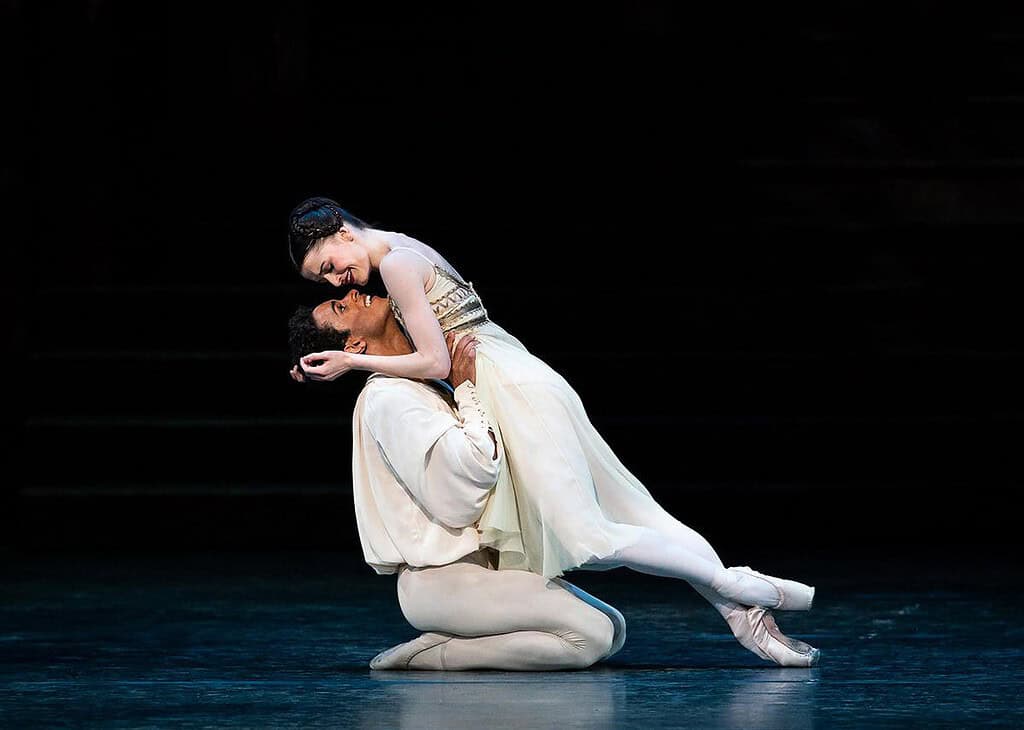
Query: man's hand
x=464, y=368
x=463, y=359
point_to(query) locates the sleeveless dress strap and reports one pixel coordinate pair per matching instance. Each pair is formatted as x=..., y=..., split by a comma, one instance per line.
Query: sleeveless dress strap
x=422, y=256
x=437, y=267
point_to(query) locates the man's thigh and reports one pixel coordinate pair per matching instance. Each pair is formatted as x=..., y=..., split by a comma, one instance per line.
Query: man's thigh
x=470, y=600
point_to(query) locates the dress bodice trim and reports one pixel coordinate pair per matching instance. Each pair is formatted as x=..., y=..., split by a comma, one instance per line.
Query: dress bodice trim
x=455, y=303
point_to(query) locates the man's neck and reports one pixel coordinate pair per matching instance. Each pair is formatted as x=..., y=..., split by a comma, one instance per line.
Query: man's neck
x=392, y=342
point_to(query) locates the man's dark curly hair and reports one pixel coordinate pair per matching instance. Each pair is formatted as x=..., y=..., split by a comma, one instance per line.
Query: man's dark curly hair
x=305, y=337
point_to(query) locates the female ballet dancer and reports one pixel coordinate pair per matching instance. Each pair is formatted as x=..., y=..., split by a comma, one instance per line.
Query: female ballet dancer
x=563, y=499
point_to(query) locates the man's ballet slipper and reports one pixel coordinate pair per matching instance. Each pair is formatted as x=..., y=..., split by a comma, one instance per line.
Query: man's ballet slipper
x=398, y=657
x=750, y=588
x=778, y=647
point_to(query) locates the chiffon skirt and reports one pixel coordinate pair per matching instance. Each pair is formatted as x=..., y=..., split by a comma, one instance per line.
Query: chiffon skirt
x=562, y=497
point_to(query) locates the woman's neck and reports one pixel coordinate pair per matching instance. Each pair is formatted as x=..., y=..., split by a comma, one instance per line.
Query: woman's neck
x=378, y=244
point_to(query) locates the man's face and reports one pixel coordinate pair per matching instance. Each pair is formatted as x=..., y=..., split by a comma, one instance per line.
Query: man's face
x=364, y=316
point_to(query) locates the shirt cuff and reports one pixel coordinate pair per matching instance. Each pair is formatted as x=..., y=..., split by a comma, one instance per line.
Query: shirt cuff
x=465, y=391
x=474, y=419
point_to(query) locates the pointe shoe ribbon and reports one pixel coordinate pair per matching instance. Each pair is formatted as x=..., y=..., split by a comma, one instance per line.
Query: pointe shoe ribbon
x=751, y=588
x=399, y=656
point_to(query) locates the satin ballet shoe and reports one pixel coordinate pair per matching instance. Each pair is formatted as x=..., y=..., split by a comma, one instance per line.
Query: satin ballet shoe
x=744, y=632
x=398, y=657
x=750, y=588
x=778, y=647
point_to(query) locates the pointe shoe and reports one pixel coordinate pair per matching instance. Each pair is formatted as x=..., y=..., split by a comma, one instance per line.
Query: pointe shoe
x=778, y=647
x=743, y=630
x=398, y=657
x=750, y=588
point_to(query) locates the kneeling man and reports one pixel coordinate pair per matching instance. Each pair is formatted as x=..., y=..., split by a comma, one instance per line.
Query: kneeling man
x=424, y=461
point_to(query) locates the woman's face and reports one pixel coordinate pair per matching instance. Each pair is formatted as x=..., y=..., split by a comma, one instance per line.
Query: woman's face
x=338, y=259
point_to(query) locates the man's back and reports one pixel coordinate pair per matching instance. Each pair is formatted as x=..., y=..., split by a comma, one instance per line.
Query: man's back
x=421, y=476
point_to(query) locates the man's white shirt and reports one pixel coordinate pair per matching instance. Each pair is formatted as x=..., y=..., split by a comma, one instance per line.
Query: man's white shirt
x=421, y=472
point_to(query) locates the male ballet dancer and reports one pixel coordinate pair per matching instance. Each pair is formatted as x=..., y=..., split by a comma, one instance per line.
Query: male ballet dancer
x=422, y=474
x=421, y=479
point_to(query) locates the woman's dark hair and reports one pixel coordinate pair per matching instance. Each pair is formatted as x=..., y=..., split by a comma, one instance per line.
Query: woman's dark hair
x=311, y=220
x=305, y=337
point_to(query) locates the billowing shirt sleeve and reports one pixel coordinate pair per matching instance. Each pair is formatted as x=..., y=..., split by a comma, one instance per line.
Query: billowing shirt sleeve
x=444, y=463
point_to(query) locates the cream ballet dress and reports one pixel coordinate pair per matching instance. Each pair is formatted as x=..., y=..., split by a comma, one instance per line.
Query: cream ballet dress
x=562, y=496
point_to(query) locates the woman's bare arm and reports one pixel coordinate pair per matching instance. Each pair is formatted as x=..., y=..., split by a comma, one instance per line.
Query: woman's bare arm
x=405, y=275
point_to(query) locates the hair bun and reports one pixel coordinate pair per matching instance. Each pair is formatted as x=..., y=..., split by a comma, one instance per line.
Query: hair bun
x=315, y=214
x=311, y=220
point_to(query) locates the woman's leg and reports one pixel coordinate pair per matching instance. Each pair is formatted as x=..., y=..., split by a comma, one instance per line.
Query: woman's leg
x=663, y=520
x=685, y=554
x=659, y=554
x=670, y=549
x=509, y=619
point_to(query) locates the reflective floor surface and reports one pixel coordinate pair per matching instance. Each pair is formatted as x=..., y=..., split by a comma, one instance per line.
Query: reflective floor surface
x=283, y=640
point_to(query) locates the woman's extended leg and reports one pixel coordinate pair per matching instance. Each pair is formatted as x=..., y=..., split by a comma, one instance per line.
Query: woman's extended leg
x=672, y=549
x=692, y=560
x=656, y=553
x=690, y=556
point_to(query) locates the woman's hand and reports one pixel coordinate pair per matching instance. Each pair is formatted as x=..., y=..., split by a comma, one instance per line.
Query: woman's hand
x=326, y=365
x=297, y=375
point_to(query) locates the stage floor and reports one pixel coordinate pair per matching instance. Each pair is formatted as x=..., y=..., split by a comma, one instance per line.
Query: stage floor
x=283, y=640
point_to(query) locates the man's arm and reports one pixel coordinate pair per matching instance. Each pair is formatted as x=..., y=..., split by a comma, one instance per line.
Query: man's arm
x=448, y=466
x=463, y=378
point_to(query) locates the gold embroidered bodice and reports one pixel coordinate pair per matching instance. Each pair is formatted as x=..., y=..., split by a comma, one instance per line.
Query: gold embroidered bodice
x=456, y=304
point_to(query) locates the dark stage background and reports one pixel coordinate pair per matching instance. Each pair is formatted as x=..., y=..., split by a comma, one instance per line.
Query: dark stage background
x=774, y=252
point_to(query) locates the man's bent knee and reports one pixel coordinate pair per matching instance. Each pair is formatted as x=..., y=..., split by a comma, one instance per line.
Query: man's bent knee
x=596, y=634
